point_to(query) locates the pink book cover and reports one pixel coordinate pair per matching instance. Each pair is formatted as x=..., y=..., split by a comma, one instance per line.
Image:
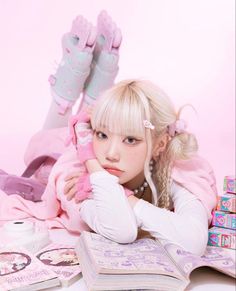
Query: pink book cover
x=62, y=260
x=20, y=269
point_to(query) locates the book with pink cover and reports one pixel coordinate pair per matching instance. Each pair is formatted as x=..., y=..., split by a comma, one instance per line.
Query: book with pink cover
x=63, y=261
x=144, y=264
x=21, y=271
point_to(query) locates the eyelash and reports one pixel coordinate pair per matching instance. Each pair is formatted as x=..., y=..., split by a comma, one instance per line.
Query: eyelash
x=101, y=135
x=135, y=140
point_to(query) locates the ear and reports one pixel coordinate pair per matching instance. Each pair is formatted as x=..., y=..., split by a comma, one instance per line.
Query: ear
x=160, y=145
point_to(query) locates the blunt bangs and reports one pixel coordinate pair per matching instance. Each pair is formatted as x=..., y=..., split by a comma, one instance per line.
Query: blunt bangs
x=120, y=113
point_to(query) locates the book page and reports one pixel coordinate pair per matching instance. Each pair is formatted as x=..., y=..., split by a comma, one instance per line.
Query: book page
x=214, y=257
x=62, y=260
x=18, y=268
x=141, y=256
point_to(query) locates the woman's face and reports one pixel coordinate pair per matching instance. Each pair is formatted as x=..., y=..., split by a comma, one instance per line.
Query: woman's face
x=121, y=156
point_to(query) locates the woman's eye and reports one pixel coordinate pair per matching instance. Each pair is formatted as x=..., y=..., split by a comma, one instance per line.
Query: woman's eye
x=131, y=140
x=101, y=135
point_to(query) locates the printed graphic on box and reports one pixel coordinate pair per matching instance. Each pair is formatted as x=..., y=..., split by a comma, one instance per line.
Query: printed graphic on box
x=224, y=219
x=222, y=237
x=230, y=184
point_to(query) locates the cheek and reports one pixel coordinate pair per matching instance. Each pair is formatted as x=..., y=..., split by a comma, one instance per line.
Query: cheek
x=137, y=156
x=96, y=146
x=99, y=150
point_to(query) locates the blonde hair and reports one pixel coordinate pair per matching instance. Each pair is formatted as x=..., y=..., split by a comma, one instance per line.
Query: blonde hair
x=124, y=107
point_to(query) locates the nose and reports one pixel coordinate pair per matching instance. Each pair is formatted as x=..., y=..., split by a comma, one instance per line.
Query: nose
x=112, y=152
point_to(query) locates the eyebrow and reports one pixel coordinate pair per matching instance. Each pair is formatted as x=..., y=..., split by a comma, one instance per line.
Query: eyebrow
x=136, y=135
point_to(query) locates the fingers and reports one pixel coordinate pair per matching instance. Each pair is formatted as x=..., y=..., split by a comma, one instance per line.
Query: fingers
x=70, y=188
x=75, y=174
x=77, y=201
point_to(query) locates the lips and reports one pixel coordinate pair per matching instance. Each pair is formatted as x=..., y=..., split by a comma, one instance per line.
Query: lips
x=113, y=171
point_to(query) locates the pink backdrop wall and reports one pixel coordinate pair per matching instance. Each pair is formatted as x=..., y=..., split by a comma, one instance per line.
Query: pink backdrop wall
x=185, y=46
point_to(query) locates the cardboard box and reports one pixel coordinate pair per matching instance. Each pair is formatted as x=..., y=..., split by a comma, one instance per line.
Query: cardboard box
x=224, y=219
x=222, y=237
x=230, y=184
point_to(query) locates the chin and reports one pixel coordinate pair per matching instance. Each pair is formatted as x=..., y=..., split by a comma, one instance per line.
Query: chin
x=123, y=181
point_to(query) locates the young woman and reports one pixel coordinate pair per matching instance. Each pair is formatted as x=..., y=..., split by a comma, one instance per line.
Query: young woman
x=143, y=170
x=134, y=165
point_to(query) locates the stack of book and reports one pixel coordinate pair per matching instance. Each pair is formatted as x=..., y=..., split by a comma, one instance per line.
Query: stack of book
x=223, y=230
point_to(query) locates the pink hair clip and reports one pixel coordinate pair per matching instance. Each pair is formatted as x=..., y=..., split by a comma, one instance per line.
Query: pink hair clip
x=148, y=124
x=177, y=127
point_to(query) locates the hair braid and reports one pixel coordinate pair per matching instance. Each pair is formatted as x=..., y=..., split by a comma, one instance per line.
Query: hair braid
x=163, y=179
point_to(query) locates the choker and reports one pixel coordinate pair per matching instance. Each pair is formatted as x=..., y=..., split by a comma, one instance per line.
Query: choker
x=139, y=192
x=141, y=189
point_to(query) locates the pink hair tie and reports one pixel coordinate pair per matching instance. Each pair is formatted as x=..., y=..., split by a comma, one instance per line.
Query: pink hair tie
x=177, y=127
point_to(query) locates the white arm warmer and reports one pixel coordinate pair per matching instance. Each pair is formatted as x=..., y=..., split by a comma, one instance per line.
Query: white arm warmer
x=109, y=212
x=110, y=215
x=187, y=226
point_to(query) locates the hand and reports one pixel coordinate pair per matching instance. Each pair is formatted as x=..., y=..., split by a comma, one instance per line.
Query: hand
x=132, y=200
x=77, y=186
x=71, y=180
x=84, y=188
x=128, y=192
x=85, y=142
x=81, y=136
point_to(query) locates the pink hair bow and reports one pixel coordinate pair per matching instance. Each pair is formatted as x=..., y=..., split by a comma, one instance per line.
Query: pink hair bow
x=177, y=127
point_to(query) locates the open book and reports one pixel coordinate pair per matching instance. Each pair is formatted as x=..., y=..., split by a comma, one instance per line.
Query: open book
x=21, y=271
x=55, y=265
x=144, y=264
x=62, y=260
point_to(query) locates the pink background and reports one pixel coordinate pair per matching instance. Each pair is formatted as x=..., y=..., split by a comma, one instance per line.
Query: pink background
x=187, y=47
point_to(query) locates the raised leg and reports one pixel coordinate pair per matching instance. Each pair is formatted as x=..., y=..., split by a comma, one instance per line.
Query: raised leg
x=105, y=61
x=68, y=81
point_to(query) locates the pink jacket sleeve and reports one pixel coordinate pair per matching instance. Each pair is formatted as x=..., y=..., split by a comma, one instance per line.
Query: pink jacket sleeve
x=197, y=176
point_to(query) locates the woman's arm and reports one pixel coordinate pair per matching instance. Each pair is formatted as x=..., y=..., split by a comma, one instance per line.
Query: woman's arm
x=109, y=212
x=187, y=226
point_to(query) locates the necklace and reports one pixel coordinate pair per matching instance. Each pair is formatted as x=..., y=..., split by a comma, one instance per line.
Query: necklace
x=139, y=192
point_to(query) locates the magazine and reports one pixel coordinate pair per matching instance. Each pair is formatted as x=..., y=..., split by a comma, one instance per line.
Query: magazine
x=144, y=264
x=63, y=261
x=21, y=271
